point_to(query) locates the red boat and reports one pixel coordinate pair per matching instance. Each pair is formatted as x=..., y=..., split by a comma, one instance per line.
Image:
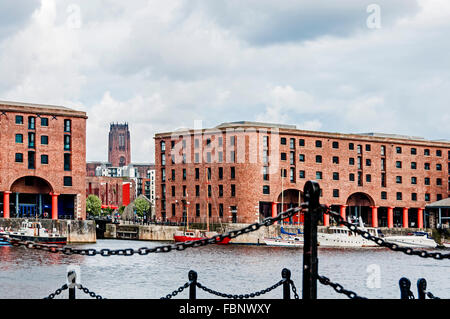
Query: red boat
x=192, y=235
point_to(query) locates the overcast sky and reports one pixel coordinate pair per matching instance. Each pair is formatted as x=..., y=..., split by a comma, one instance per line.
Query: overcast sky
x=338, y=66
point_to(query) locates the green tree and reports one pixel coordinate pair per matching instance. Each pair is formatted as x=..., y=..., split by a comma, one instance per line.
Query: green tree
x=93, y=205
x=142, y=206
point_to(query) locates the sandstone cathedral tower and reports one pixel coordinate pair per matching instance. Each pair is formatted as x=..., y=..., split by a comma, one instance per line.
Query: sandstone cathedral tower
x=119, y=148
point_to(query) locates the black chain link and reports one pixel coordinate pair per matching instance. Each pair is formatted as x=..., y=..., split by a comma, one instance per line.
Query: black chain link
x=177, y=291
x=381, y=242
x=159, y=249
x=242, y=296
x=88, y=292
x=338, y=288
x=57, y=292
x=430, y=295
x=294, y=290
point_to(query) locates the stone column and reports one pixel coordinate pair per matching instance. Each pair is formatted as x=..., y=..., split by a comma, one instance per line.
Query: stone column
x=374, y=216
x=6, y=204
x=405, y=217
x=390, y=217
x=326, y=219
x=54, y=205
x=419, y=217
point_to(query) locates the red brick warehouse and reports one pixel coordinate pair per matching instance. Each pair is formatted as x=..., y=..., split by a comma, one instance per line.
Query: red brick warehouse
x=233, y=172
x=43, y=161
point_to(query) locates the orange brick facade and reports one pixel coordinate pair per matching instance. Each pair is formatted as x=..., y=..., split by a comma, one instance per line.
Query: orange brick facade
x=385, y=179
x=43, y=161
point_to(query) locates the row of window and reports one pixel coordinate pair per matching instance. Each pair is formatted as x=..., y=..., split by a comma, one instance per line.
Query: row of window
x=197, y=210
x=351, y=146
x=44, y=140
x=19, y=158
x=197, y=191
x=208, y=173
x=44, y=122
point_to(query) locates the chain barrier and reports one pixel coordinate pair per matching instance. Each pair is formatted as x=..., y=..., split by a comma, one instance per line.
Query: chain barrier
x=430, y=295
x=242, y=296
x=177, y=291
x=88, y=292
x=159, y=249
x=57, y=292
x=294, y=290
x=338, y=288
x=381, y=242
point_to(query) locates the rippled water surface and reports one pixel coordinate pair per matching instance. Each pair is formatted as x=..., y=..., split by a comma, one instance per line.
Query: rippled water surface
x=231, y=269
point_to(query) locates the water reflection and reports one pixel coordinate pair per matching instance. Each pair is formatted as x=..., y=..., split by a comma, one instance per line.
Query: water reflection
x=27, y=273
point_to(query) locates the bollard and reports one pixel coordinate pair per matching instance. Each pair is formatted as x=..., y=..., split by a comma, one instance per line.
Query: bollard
x=405, y=292
x=310, y=261
x=72, y=278
x=192, y=285
x=421, y=288
x=286, y=275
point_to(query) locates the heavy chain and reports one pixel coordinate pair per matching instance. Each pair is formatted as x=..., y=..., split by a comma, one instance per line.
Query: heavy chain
x=244, y=296
x=57, y=292
x=338, y=288
x=294, y=290
x=430, y=295
x=159, y=249
x=88, y=292
x=381, y=242
x=177, y=291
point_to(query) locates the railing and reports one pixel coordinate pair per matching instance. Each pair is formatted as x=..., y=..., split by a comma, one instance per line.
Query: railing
x=313, y=212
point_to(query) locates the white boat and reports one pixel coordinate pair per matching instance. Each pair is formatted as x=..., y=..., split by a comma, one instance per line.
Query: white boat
x=339, y=236
x=416, y=239
x=33, y=231
x=290, y=241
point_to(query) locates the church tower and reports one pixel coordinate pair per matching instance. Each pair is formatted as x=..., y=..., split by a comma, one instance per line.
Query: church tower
x=119, y=145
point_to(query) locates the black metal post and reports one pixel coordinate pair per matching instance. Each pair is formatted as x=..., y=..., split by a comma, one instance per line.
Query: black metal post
x=421, y=288
x=286, y=275
x=192, y=285
x=310, y=261
x=72, y=279
x=405, y=286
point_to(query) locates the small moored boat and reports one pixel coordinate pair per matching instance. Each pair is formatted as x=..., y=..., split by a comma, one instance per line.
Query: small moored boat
x=416, y=239
x=33, y=231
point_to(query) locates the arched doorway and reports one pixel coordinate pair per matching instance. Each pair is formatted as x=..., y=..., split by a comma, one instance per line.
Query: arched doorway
x=30, y=197
x=359, y=205
x=287, y=199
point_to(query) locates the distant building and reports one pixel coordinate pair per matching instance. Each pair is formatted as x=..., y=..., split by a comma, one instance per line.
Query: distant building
x=119, y=145
x=43, y=161
x=245, y=171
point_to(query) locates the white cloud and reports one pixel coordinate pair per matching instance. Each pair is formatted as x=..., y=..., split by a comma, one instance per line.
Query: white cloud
x=162, y=65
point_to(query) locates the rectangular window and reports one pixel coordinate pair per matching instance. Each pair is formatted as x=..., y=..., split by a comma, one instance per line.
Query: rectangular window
x=232, y=156
x=335, y=192
x=44, y=121
x=208, y=173
x=318, y=143
x=413, y=151
x=427, y=166
x=351, y=146
x=426, y=152
x=283, y=141
x=196, y=158
x=351, y=161
x=335, y=176
x=399, y=196
x=266, y=190
x=335, y=144
x=398, y=150
x=209, y=191
x=283, y=156
x=301, y=157
x=67, y=181
x=359, y=149
x=383, y=195
x=383, y=164
x=19, y=119
x=44, y=139
x=368, y=178
x=414, y=196
x=19, y=138
x=220, y=172
x=292, y=175
x=301, y=174
x=335, y=160
x=398, y=179
x=292, y=143
x=67, y=142
x=173, y=175
x=197, y=210
x=197, y=173
x=221, y=210
x=197, y=190
x=318, y=159
x=398, y=164
x=438, y=153
x=383, y=179
x=383, y=150
x=67, y=126
x=438, y=167
x=292, y=158
x=184, y=174
x=173, y=191
x=44, y=159
x=301, y=142
x=318, y=175
x=19, y=157
x=265, y=173
x=232, y=172
x=351, y=177
x=67, y=162
x=31, y=140
x=220, y=157
x=233, y=190
x=413, y=165
x=368, y=162
x=427, y=197
x=220, y=190
x=163, y=174
x=427, y=181
x=31, y=123
x=367, y=147
x=413, y=180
